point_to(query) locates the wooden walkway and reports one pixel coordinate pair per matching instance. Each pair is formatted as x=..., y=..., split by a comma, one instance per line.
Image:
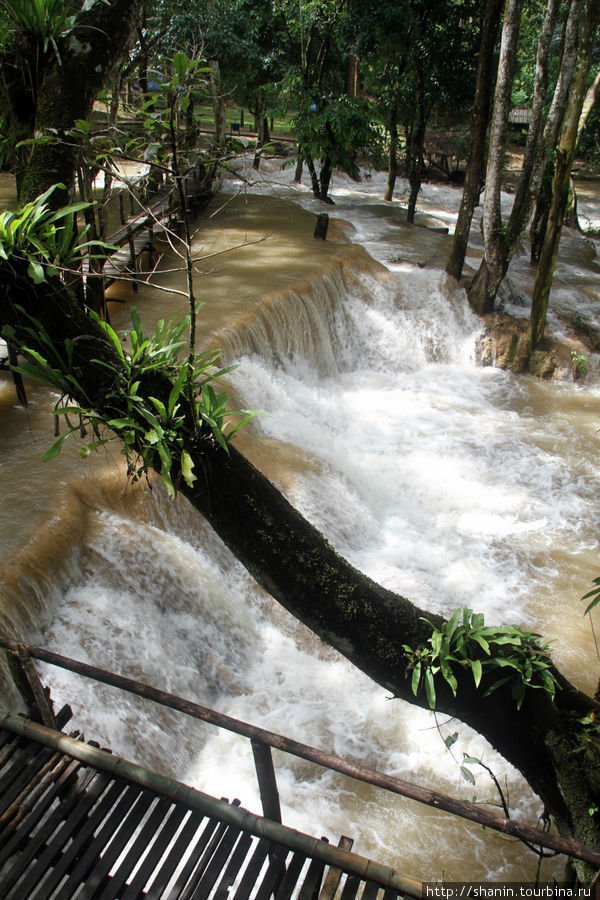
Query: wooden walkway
x=77, y=821
x=139, y=229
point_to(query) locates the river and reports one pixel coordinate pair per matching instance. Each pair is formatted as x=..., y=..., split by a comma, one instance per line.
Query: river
x=452, y=483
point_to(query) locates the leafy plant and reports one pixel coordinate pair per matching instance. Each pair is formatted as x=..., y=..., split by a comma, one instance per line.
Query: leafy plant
x=45, y=20
x=580, y=362
x=333, y=127
x=513, y=654
x=593, y=595
x=152, y=430
x=46, y=239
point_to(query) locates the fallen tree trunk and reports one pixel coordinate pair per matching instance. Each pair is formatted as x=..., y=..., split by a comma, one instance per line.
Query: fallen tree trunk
x=554, y=745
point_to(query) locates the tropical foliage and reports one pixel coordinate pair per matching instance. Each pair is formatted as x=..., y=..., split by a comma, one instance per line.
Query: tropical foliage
x=47, y=239
x=509, y=654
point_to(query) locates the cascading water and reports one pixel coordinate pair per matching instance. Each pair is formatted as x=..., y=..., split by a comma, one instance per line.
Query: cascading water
x=453, y=484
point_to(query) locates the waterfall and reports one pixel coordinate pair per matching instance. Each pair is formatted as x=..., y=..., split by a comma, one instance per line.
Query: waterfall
x=453, y=484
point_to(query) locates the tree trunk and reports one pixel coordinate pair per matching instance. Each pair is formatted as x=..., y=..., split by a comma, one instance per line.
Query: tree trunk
x=65, y=90
x=220, y=133
x=565, y=154
x=483, y=289
x=295, y=563
x=534, y=151
x=325, y=179
x=299, y=167
x=556, y=113
x=539, y=223
x=415, y=139
x=314, y=178
x=392, y=154
x=479, y=124
x=351, y=78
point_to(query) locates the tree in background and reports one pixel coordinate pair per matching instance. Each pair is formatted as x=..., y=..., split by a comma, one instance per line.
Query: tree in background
x=474, y=175
x=331, y=125
x=565, y=155
x=501, y=238
x=419, y=61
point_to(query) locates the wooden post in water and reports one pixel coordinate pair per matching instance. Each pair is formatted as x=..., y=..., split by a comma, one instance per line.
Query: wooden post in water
x=267, y=783
x=321, y=226
x=16, y=376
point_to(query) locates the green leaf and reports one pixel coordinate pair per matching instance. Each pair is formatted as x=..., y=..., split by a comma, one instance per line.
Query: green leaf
x=181, y=63
x=518, y=692
x=176, y=391
x=476, y=668
x=56, y=447
x=160, y=408
x=471, y=760
x=168, y=482
x=451, y=739
x=452, y=624
x=497, y=684
x=416, y=678
x=88, y=449
x=482, y=643
x=36, y=272
x=430, y=688
x=187, y=468
x=467, y=775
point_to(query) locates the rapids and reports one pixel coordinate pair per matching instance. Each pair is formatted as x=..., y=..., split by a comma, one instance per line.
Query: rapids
x=451, y=483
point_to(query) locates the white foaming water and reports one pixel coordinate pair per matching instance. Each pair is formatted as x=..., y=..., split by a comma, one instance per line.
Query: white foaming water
x=452, y=484
x=440, y=479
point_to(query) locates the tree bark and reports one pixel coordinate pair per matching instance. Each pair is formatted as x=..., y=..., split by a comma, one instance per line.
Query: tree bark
x=299, y=568
x=534, y=149
x=220, y=132
x=392, y=154
x=565, y=155
x=541, y=187
x=539, y=222
x=479, y=124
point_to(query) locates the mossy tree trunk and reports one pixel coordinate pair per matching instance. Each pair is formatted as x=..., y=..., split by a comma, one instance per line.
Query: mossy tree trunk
x=47, y=90
x=290, y=559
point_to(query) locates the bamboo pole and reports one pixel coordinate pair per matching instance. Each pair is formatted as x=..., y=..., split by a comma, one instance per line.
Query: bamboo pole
x=232, y=815
x=267, y=782
x=391, y=783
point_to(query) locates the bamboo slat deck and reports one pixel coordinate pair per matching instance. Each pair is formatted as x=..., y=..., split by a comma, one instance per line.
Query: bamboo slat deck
x=76, y=821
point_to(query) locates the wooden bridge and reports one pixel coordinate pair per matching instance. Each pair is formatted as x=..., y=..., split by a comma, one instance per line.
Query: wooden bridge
x=78, y=821
x=147, y=218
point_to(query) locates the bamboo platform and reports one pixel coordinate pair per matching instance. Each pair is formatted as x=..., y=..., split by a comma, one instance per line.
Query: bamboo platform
x=77, y=821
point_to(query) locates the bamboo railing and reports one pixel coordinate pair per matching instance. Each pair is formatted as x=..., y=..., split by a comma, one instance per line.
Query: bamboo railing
x=263, y=740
